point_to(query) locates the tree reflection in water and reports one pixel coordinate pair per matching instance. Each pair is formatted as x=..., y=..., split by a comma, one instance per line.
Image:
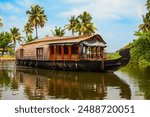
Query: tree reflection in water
x=47, y=84
x=141, y=75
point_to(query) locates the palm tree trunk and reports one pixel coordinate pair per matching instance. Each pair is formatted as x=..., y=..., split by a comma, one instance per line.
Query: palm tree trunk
x=3, y=52
x=72, y=32
x=36, y=31
x=14, y=45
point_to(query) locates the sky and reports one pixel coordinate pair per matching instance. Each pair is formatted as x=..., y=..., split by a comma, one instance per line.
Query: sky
x=115, y=20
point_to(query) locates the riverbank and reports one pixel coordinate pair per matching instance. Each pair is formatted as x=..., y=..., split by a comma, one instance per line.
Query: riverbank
x=7, y=58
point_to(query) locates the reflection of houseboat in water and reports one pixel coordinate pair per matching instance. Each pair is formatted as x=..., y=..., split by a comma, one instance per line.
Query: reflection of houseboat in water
x=82, y=53
x=43, y=84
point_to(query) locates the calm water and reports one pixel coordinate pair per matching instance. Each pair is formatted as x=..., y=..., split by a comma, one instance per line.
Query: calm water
x=27, y=83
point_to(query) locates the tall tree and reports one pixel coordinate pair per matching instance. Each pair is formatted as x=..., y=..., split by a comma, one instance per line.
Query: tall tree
x=28, y=29
x=148, y=5
x=82, y=25
x=16, y=36
x=85, y=27
x=72, y=24
x=37, y=17
x=5, y=41
x=58, y=32
x=145, y=26
x=1, y=22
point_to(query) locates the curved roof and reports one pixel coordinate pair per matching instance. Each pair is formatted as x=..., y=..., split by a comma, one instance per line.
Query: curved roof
x=65, y=39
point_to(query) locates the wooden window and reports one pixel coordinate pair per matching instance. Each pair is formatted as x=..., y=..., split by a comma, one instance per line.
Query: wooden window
x=39, y=53
x=21, y=53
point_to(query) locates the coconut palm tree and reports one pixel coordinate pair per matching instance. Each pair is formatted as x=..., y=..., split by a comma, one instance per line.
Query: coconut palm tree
x=16, y=36
x=37, y=17
x=145, y=27
x=58, y=32
x=72, y=24
x=82, y=24
x=148, y=5
x=1, y=22
x=28, y=29
x=85, y=27
x=5, y=41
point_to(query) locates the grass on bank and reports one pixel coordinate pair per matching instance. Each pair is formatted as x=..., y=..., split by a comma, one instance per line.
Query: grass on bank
x=7, y=57
x=114, y=55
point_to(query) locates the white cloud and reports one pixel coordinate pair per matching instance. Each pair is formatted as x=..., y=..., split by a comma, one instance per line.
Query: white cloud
x=75, y=1
x=24, y=3
x=107, y=9
x=9, y=7
x=140, y=11
x=14, y=21
x=71, y=12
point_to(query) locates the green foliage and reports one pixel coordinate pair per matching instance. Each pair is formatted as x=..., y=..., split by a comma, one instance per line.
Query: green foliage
x=81, y=24
x=28, y=29
x=1, y=22
x=113, y=55
x=5, y=41
x=37, y=17
x=58, y=32
x=16, y=36
x=29, y=38
x=145, y=26
x=140, y=49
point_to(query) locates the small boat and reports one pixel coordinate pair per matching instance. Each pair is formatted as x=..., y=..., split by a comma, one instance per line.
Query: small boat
x=70, y=53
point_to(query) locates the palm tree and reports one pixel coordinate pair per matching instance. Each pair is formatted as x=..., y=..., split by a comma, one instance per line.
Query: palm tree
x=72, y=24
x=85, y=27
x=37, y=17
x=81, y=25
x=28, y=29
x=148, y=5
x=1, y=22
x=58, y=32
x=16, y=36
x=5, y=42
x=145, y=27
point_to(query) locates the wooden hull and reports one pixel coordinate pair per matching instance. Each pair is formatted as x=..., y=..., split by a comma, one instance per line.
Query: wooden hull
x=82, y=65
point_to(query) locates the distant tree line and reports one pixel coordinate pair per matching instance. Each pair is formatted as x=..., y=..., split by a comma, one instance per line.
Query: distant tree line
x=80, y=25
x=140, y=47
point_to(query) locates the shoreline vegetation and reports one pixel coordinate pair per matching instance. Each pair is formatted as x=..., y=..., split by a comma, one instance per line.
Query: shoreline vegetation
x=7, y=58
x=140, y=47
x=78, y=25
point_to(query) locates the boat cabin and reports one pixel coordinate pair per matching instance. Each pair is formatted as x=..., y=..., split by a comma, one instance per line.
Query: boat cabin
x=63, y=48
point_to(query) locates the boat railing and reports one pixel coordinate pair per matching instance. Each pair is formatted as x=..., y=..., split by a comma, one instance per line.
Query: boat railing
x=91, y=57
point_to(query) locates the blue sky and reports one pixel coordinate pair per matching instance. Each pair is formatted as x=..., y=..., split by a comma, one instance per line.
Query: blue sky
x=116, y=20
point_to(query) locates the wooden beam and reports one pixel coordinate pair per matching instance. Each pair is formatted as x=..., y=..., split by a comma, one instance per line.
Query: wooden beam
x=92, y=52
x=96, y=51
x=55, y=54
x=50, y=52
x=69, y=52
x=78, y=52
x=101, y=52
x=62, y=52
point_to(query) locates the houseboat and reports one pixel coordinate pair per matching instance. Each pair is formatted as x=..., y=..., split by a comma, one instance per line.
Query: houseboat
x=70, y=53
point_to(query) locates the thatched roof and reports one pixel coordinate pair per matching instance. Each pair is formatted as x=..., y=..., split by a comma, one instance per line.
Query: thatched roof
x=65, y=39
x=59, y=40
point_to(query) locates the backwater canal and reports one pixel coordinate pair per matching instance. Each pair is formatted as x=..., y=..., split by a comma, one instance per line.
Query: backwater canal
x=26, y=83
